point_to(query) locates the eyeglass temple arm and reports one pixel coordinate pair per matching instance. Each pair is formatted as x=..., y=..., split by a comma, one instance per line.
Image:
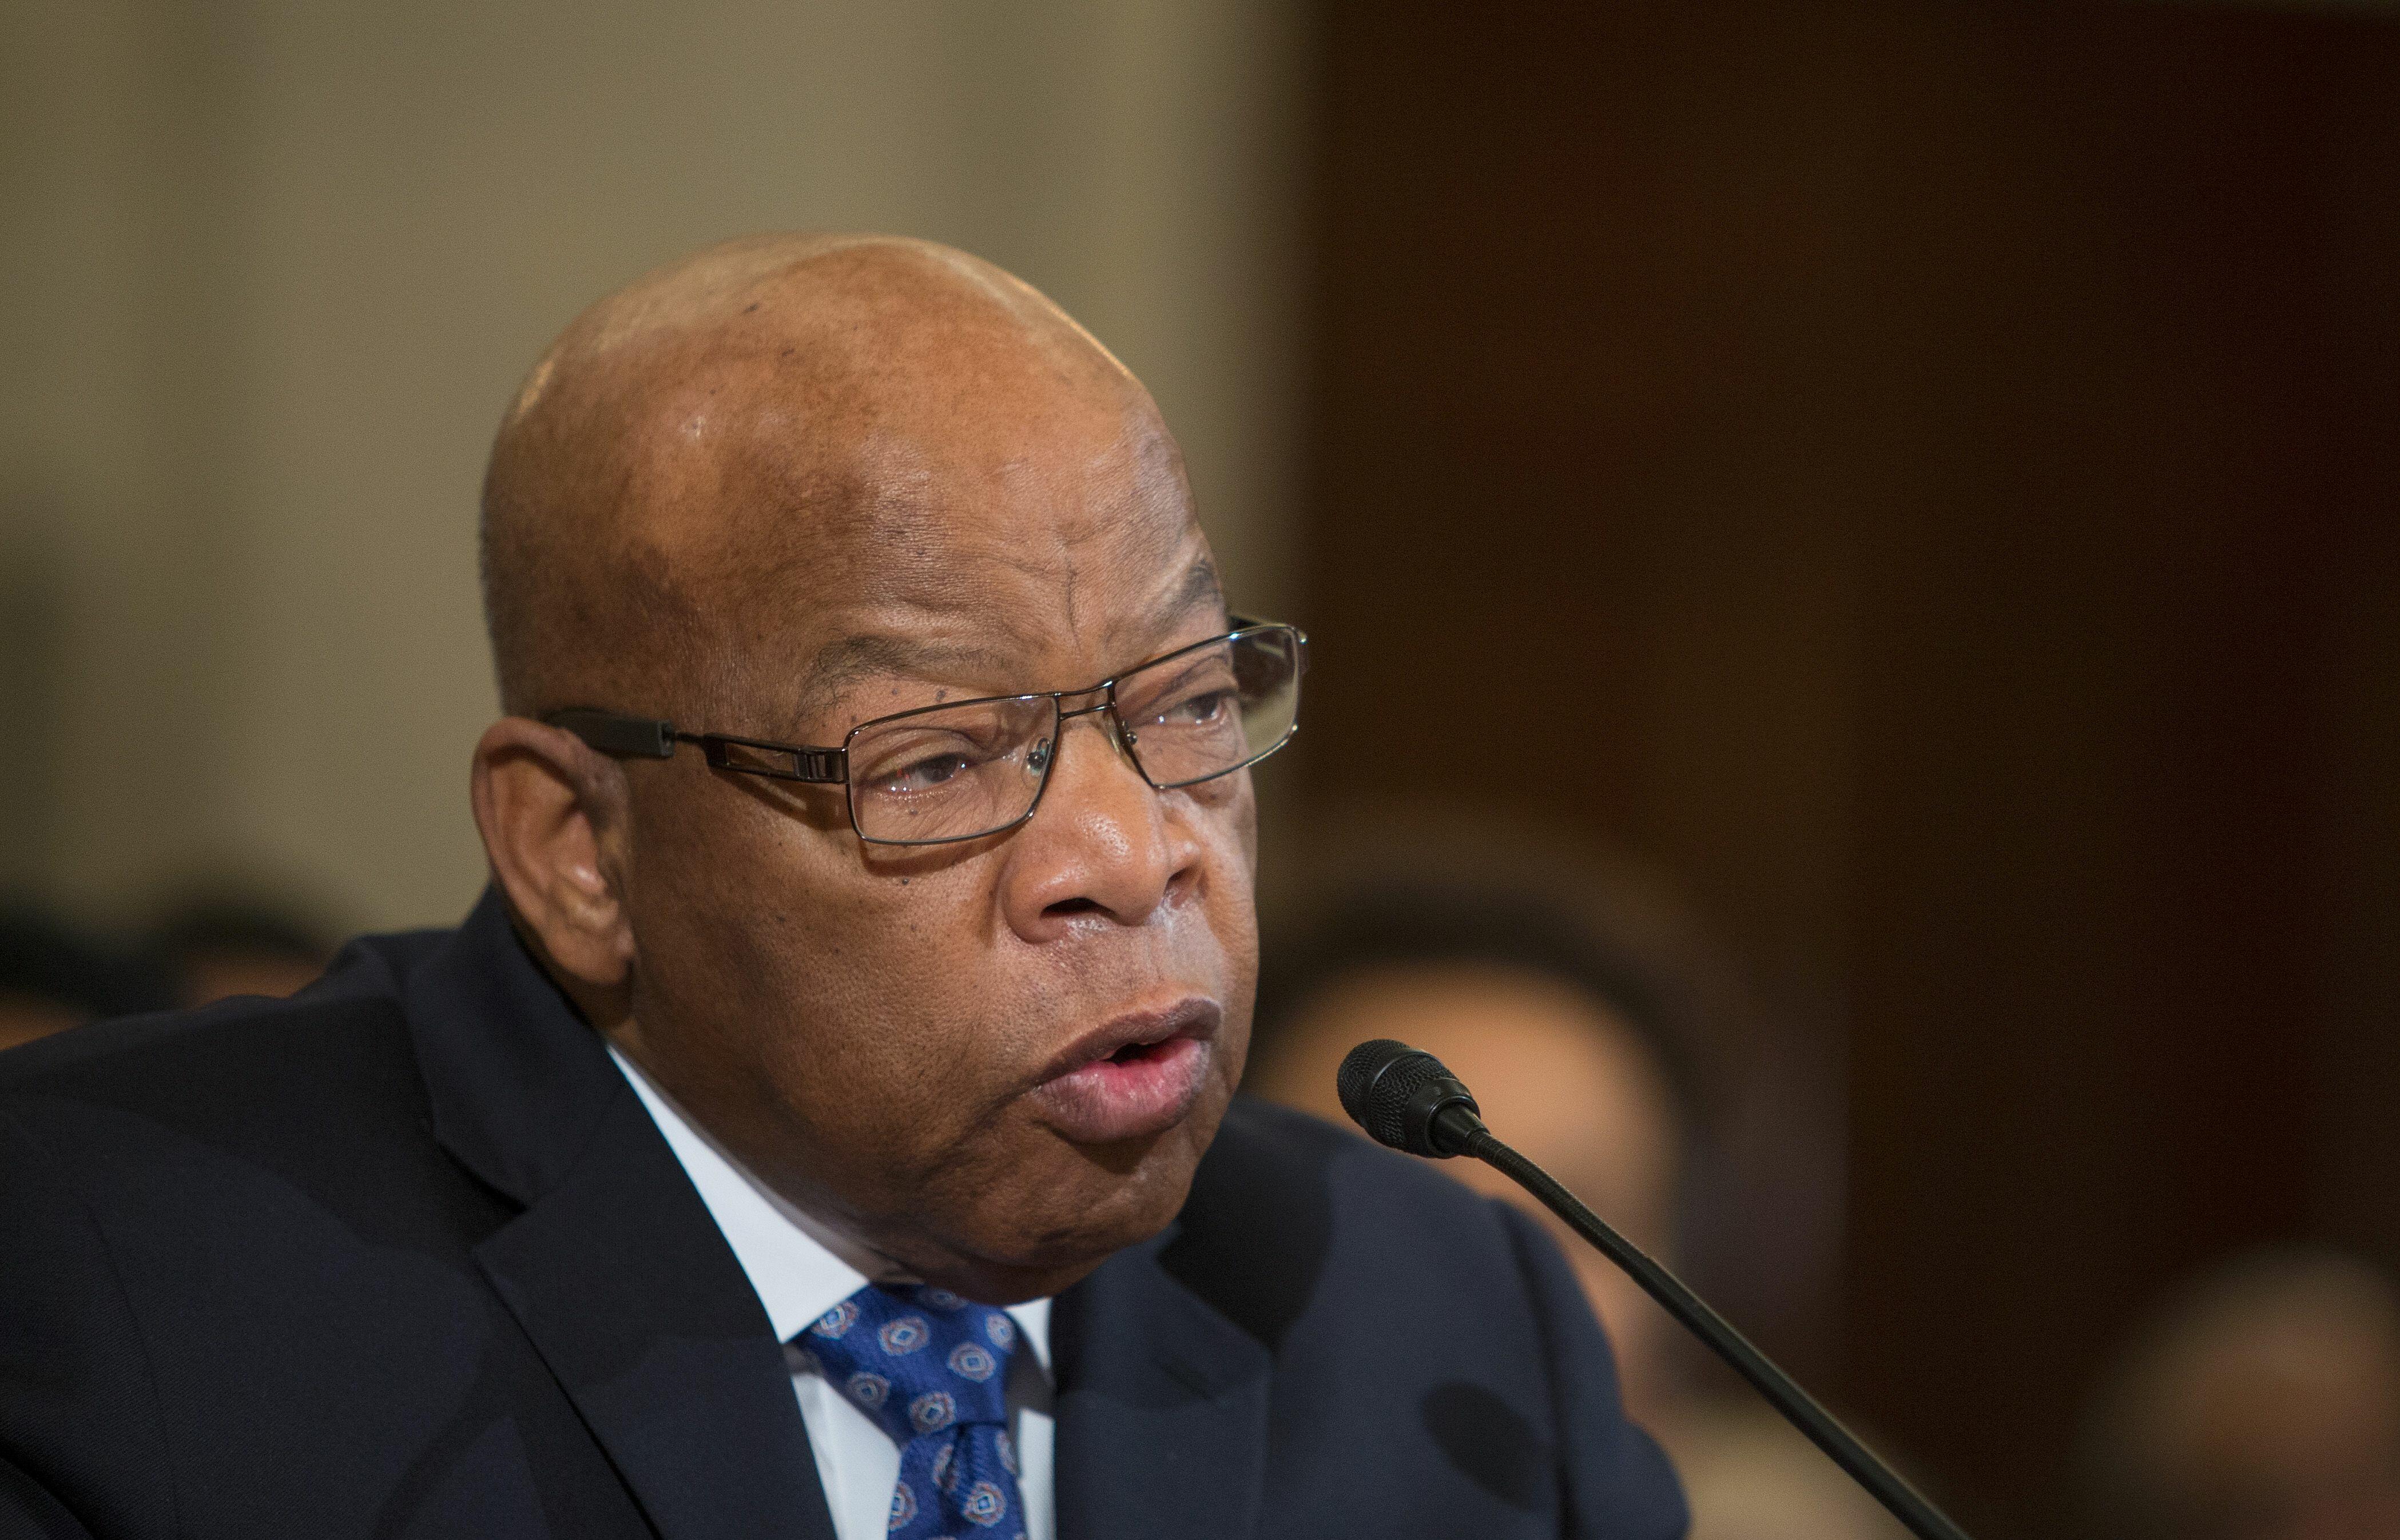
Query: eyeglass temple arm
x=647, y=738
x=622, y=737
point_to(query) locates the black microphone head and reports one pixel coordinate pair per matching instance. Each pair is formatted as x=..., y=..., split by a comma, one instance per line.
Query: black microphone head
x=1361, y=1067
x=1392, y=1091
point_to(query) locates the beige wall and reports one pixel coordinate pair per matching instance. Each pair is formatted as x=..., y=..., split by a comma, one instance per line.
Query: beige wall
x=273, y=269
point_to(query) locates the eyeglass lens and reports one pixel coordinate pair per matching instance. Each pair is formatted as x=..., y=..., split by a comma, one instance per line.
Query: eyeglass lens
x=966, y=770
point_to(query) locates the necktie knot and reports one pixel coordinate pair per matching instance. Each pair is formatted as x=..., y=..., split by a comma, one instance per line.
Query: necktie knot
x=915, y=1360
x=931, y=1369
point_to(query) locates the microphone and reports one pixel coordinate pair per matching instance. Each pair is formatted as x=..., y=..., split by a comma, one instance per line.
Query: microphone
x=1406, y=1099
x=1403, y=1097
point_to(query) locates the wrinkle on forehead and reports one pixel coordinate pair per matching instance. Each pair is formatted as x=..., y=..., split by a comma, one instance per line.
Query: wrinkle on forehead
x=783, y=420
x=903, y=514
x=900, y=654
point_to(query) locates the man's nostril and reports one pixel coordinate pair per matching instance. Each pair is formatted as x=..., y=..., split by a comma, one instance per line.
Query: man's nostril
x=1072, y=906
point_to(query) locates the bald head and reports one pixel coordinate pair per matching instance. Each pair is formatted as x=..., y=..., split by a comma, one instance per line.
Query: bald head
x=713, y=448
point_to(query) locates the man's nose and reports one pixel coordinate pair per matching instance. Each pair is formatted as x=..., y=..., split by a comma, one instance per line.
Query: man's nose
x=1102, y=842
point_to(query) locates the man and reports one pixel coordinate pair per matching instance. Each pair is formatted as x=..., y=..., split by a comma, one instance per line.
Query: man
x=220, y=943
x=2259, y=1400
x=53, y=975
x=1575, y=1037
x=805, y=1135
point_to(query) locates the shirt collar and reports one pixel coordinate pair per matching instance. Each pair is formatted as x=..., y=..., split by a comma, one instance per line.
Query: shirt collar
x=799, y=1267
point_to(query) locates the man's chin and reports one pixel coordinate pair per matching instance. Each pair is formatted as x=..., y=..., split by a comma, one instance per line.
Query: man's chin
x=1013, y=1279
x=1141, y=1186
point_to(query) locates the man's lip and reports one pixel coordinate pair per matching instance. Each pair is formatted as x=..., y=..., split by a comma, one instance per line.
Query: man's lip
x=1194, y=1017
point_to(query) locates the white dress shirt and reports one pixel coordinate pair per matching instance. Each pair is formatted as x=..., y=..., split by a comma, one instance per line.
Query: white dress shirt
x=800, y=1271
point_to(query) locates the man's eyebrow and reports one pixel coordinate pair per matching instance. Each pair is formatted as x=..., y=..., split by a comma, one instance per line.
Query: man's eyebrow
x=1200, y=588
x=845, y=661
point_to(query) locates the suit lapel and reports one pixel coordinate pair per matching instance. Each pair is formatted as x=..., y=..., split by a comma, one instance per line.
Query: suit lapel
x=615, y=1268
x=1162, y=1408
x=653, y=1332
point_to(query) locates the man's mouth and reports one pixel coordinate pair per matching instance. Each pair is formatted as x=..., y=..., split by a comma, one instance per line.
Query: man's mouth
x=1137, y=1076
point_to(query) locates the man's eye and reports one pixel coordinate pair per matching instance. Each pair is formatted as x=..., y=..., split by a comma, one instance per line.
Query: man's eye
x=1204, y=709
x=926, y=773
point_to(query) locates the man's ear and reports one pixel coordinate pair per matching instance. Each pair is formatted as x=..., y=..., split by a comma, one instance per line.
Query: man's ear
x=553, y=813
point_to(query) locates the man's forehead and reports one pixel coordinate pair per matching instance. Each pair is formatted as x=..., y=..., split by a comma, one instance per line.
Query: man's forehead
x=776, y=530
x=840, y=369
x=870, y=469
x=871, y=443
x=987, y=643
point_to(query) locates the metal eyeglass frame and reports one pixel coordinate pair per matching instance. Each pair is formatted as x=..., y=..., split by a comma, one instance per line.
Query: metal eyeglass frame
x=623, y=737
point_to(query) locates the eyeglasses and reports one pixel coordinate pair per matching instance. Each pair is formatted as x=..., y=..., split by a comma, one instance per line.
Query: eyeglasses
x=967, y=769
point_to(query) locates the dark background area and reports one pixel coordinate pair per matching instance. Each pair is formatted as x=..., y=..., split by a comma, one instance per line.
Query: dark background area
x=1930, y=478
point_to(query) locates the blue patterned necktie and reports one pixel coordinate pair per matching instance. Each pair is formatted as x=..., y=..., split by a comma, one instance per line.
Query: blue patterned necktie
x=931, y=1369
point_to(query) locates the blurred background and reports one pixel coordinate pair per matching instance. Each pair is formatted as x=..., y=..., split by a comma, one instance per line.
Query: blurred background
x=1892, y=513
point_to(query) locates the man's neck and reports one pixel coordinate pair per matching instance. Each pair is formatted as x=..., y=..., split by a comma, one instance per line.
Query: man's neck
x=866, y=1259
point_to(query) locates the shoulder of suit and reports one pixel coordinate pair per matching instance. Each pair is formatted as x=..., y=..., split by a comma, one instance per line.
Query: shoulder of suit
x=1261, y=1134
x=1295, y=1225
x=339, y=1048
x=1278, y=1170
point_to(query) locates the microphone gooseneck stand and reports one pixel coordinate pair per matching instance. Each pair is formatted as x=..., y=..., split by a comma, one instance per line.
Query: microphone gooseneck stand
x=1404, y=1098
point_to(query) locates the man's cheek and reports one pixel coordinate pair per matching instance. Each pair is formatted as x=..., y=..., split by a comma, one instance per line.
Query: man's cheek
x=1232, y=1047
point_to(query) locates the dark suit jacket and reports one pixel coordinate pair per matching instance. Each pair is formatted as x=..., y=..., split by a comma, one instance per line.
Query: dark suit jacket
x=404, y=1256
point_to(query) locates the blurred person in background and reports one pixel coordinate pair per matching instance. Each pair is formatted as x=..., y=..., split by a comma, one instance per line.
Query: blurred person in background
x=2259, y=1402
x=1557, y=1034
x=54, y=975
x=1582, y=1023
x=223, y=943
